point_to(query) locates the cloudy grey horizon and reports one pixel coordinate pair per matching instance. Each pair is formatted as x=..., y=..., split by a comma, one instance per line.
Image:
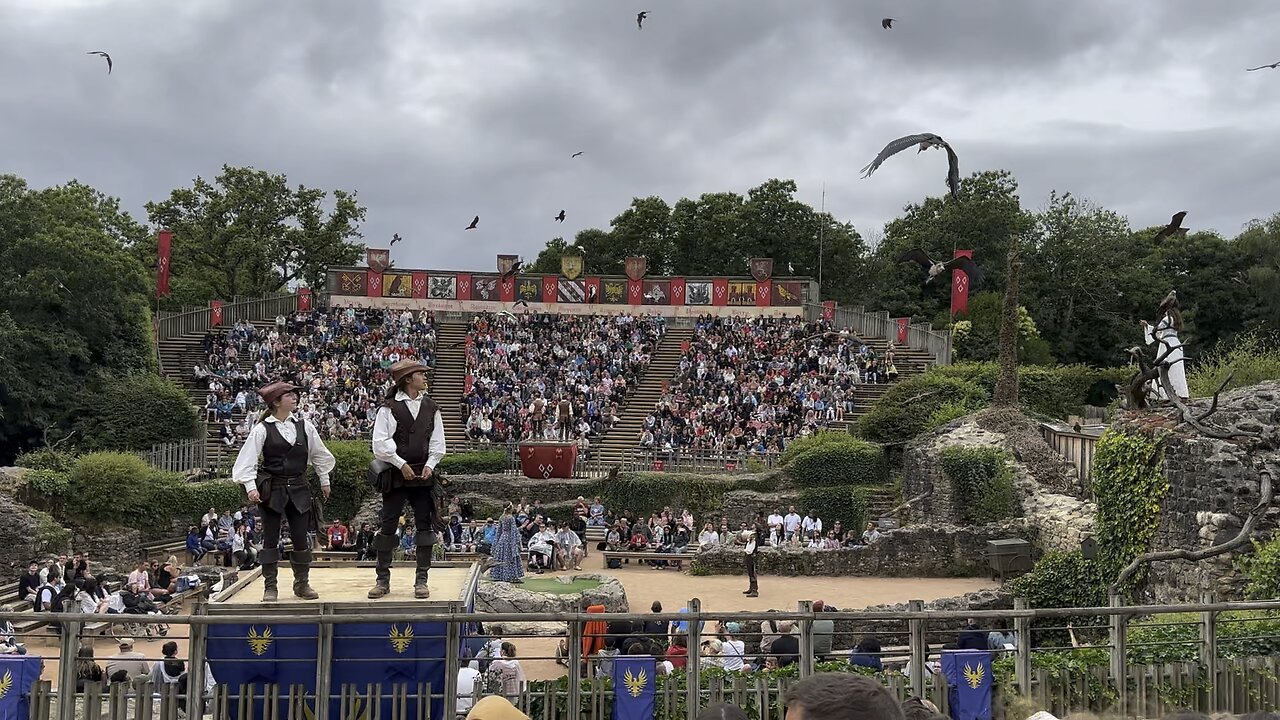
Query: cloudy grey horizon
x=437, y=111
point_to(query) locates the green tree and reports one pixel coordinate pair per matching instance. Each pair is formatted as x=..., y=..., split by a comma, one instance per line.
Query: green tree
x=134, y=411
x=645, y=229
x=548, y=260
x=249, y=233
x=1260, y=243
x=73, y=301
x=976, y=337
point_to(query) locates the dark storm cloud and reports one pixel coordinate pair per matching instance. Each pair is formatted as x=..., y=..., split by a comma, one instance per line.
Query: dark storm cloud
x=438, y=111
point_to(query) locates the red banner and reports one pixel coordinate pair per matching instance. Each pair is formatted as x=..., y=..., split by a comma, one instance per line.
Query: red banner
x=464, y=286
x=960, y=286
x=549, y=287
x=593, y=290
x=828, y=309
x=720, y=292
x=764, y=293
x=548, y=460
x=677, y=291
x=304, y=299
x=164, y=248
x=373, y=284
x=215, y=313
x=635, y=292
x=419, y=285
x=903, y=324
x=507, y=288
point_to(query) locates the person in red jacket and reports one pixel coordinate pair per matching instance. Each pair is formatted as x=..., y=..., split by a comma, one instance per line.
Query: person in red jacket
x=339, y=535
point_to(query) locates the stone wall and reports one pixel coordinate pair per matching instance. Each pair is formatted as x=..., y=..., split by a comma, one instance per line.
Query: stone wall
x=27, y=534
x=916, y=551
x=1212, y=486
x=1045, y=482
x=114, y=547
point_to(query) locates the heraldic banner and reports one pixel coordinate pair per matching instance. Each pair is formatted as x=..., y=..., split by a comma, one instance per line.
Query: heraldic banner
x=245, y=658
x=548, y=459
x=571, y=266
x=968, y=672
x=378, y=259
x=634, y=681
x=18, y=675
x=960, y=286
x=386, y=655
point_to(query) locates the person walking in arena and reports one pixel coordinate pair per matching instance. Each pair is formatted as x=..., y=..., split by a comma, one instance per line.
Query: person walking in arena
x=272, y=467
x=752, y=538
x=408, y=443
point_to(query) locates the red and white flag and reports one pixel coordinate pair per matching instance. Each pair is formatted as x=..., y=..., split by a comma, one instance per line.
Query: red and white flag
x=164, y=247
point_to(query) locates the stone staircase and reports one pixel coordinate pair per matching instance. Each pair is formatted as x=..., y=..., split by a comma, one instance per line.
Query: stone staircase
x=448, y=381
x=614, y=445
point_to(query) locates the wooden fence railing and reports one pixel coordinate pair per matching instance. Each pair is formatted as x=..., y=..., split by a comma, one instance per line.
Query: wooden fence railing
x=177, y=456
x=1076, y=446
x=878, y=324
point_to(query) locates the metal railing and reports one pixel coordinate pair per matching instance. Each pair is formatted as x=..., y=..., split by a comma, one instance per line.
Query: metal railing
x=196, y=320
x=1208, y=656
x=699, y=460
x=920, y=336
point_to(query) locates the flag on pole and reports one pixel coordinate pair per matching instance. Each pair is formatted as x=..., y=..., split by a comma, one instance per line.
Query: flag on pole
x=960, y=286
x=635, y=679
x=164, y=247
x=18, y=674
x=968, y=674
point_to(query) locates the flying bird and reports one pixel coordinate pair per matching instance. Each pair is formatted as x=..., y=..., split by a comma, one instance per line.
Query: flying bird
x=521, y=303
x=395, y=238
x=1173, y=228
x=103, y=54
x=967, y=265
x=640, y=18
x=887, y=23
x=1272, y=66
x=923, y=141
x=560, y=217
x=576, y=154
x=474, y=222
x=515, y=268
x=505, y=314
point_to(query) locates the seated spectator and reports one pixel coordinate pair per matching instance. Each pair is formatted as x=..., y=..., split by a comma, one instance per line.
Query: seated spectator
x=87, y=670
x=823, y=632
x=9, y=644
x=732, y=649
x=568, y=549
x=194, y=548
x=841, y=696
x=871, y=534
x=708, y=537
x=867, y=653
x=29, y=582
x=170, y=669
x=338, y=535
x=541, y=549
x=128, y=660
x=972, y=637
x=786, y=649
x=507, y=673
x=596, y=516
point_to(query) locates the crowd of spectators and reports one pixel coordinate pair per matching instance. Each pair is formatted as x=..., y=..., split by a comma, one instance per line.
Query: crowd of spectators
x=523, y=367
x=749, y=385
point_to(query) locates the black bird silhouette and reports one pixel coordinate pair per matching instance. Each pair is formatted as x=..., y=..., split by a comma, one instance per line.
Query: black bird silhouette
x=1272, y=66
x=103, y=54
x=515, y=268
x=924, y=141
x=521, y=303
x=934, y=268
x=474, y=222
x=1173, y=228
x=640, y=18
x=887, y=23
x=576, y=154
x=395, y=238
x=559, y=217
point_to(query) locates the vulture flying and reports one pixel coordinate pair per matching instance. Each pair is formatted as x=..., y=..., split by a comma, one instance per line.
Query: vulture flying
x=640, y=18
x=887, y=23
x=474, y=222
x=1272, y=66
x=515, y=269
x=576, y=154
x=395, y=238
x=103, y=54
x=916, y=255
x=923, y=141
x=1173, y=228
x=560, y=217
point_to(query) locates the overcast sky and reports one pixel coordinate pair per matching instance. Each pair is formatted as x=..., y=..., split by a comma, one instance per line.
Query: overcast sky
x=438, y=110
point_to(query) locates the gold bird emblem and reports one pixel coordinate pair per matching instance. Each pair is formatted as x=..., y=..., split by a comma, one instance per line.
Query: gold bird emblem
x=6, y=683
x=974, y=676
x=635, y=683
x=259, y=643
x=401, y=639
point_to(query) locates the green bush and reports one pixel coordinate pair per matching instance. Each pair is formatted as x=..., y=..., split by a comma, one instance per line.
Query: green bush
x=846, y=503
x=134, y=412
x=51, y=537
x=649, y=492
x=1053, y=391
x=1253, y=357
x=1128, y=486
x=946, y=413
x=52, y=484
x=977, y=336
x=1263, y=570
x=349, y=481
x=904, y=411
x=120, y=489
x=983, y=482
x=475, y=462
x=47, y=459
x=1059, y=580
x=835, y=458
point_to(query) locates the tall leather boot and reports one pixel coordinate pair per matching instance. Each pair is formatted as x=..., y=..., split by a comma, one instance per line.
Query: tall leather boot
x=270, y=559
x=383, y=546
x=300, y=563
x=420, y=589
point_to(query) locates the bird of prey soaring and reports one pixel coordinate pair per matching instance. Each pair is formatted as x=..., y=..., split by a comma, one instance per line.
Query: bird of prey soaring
x=916, y=255
x=887, y=23
x=640, y=18
x=522, y=303
x=474, y=222
x=395, y=238
x=1272, y=66
x=576, y=154
x=560, y=217
x=505, y=314
x=1173, y=228
x=924, y=141
x=103, y=54
x=515, y=268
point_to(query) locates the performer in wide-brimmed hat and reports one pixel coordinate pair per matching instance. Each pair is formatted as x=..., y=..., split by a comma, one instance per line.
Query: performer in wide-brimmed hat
x=285, y=445
x=408, y=443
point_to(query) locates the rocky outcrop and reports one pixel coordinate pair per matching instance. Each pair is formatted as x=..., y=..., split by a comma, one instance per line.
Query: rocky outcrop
x=28, y=534
x=500, y=597
x=916, y=551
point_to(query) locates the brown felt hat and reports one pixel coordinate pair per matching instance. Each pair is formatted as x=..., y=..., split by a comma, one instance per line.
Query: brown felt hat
x=273, y=392
x=402, y=368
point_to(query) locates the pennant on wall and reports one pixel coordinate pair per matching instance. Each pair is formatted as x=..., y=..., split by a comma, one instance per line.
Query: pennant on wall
x=164, y=250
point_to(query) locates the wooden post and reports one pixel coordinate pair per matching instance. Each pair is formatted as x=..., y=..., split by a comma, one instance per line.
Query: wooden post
x=67, y=649
x=1209, y=649
x=197, y=637
x=452, y=659
x=1117, y=625
x=1022, y=650
x=806, y=640
x=693, y=688
x=575, y=669
x=919, y=647
x=324, y=664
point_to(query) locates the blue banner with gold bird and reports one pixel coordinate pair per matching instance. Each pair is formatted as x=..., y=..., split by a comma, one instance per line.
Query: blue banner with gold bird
x=247, y=658
x=18, y=674
x=404, y=657
x=968, y=672
x=635, y=681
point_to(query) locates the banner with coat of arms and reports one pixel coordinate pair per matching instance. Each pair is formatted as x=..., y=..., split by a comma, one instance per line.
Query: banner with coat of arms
x=378, y=259
x=761, y=268
x=636, y=265
x=571, y=266
x=506, y=262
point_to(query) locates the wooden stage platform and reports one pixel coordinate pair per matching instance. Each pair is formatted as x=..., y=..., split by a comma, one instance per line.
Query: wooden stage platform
x=348, y=584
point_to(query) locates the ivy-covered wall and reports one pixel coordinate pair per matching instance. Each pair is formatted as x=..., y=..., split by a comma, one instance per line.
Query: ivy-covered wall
x=1129, y=486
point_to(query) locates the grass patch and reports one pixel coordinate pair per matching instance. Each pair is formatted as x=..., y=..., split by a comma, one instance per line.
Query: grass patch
x=1253, y=356
x=555, y=587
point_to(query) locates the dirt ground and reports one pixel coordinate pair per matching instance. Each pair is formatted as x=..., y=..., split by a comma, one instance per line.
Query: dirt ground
x=673, y=589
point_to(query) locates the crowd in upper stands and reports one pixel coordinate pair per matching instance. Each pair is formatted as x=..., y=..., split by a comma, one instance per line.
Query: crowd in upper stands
x=340, y=356
x=523, y=367
x=751, y=384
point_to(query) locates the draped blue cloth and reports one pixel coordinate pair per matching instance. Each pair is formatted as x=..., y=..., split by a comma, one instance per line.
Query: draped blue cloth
x=506, y=552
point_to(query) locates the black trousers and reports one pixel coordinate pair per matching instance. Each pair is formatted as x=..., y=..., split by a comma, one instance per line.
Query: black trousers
x=299, y=524
x=565, y=429
x=751, y=571
x=424, y=511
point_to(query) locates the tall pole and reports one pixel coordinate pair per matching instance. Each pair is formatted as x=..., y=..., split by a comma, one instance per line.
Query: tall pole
x=822, y=233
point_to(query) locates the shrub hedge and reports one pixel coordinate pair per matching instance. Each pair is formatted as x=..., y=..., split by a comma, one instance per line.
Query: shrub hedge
x=1055, y=391
x=983, y=482
x=834, y=458
x=1263, y=570
x=905, y=410
x=135, y=411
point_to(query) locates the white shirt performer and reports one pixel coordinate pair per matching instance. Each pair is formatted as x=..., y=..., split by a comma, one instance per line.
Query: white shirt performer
x=286, y=445
x=408, y=443
x=1165, y=336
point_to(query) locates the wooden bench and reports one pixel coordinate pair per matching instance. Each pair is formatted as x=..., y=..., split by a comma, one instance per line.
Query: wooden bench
x=162, y=549
x=628, y=555
x=39, y=620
